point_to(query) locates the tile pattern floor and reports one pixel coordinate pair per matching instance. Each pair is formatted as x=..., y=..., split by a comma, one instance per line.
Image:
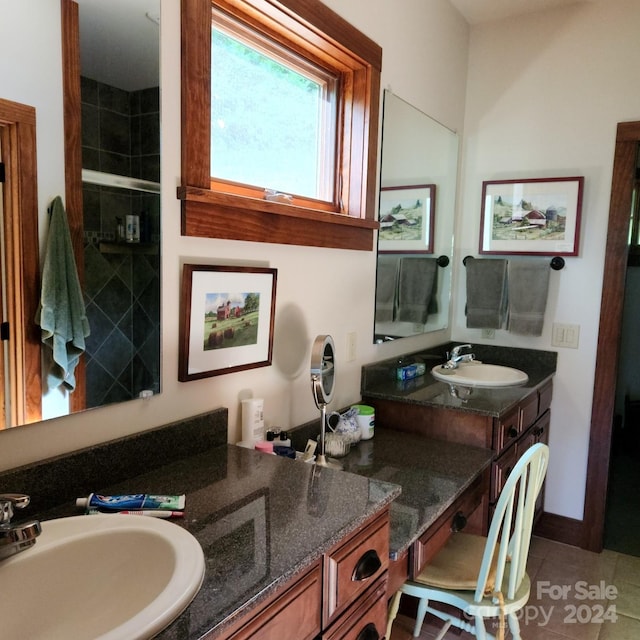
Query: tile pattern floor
x=575, y=595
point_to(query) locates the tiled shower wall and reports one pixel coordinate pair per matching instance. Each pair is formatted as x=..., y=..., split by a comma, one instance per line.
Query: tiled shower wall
x=121, y=135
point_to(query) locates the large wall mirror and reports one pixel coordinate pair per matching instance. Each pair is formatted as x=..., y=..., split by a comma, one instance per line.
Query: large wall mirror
x=110, y=80
x=418, y=177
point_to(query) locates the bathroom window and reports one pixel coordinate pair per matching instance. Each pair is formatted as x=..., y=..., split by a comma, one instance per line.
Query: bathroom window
x=278, y=97
x=273, y=115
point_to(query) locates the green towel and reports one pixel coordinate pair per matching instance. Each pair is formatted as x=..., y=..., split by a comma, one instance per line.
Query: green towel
x=61, y=313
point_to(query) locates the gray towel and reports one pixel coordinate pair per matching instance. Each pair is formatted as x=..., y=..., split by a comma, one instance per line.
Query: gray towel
x=486, y=293
x=416, y=284
x=386, y=288
x=61, y=313
x=528, y=289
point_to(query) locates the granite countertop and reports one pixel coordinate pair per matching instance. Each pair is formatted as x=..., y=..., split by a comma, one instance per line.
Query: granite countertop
x=379, y=380
x=432, y=474
x=259, y=518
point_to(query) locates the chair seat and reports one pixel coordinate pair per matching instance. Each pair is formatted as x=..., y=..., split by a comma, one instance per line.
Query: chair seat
x=464, y=598
x=457, y=564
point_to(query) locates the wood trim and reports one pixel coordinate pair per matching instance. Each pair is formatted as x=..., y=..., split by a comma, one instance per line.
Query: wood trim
x=196, y=92
x=560, y=529
x=207, y=214
x=73, y=163
x=615, y=266
x=20, y=195
x=359, y=60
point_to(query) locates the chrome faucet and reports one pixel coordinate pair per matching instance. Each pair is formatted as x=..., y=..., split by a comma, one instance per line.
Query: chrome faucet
x=455, y=357
x=15, y=538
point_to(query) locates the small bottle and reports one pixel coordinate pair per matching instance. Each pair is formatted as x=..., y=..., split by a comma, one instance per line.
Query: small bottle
x=283, y=440
x=119, y=230
x=133, y=229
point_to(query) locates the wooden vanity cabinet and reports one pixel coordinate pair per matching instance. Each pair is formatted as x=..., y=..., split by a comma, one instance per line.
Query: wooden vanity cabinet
x=342, y=596
x=295, y=606
x=509, y=435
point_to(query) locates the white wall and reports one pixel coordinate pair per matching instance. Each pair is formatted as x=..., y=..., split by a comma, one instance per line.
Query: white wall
x=319, y=290
x=544, y=95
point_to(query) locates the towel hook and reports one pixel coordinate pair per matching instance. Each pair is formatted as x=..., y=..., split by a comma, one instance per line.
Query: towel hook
x=442, y=261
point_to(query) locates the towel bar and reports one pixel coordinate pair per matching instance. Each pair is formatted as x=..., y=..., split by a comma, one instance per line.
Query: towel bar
x=557, y=262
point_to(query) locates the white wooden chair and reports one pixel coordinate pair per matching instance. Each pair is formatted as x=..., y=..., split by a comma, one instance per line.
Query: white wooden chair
x=484, y=577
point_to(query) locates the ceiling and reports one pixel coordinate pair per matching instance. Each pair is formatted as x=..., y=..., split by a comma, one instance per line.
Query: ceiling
x=478, y=11
x=119, y=38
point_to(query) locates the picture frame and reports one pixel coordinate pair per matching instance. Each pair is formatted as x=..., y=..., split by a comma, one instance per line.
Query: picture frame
x=536, y=216
x=226, y=319
x=407, y=218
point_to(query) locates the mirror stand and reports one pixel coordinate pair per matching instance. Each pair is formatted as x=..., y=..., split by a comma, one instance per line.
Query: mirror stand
x=322, y=386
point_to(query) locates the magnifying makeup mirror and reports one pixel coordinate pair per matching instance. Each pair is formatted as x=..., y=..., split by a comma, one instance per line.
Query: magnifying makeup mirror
x=322, y=386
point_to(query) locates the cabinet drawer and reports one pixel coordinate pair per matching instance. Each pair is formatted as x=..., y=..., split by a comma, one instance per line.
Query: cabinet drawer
x=500, y=471
x=466, y=506
x=366, y=619
x=355, y=565
x=507, y=430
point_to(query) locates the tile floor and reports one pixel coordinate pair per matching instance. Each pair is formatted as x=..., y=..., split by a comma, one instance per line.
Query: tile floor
x=554, y=567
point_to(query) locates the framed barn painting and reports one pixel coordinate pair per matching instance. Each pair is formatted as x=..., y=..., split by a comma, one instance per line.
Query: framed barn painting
x=407, y=219
x=531, y=217
x=226, y=319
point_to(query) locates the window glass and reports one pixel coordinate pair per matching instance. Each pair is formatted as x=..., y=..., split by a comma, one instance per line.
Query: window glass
x=273, y=115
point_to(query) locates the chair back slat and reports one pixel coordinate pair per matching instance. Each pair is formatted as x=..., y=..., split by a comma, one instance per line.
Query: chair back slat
x=509, y=535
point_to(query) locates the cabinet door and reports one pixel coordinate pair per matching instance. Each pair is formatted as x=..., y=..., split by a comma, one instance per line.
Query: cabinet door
x=354, y=566
x=501, y=469
x=366, y=619
x=297, y=608
x=507, y=430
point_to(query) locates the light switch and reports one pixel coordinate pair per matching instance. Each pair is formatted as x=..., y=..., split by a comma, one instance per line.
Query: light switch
x=565, y=335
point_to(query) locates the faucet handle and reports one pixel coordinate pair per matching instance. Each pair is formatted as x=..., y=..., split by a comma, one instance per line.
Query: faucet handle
x=9, y=502
x=455, y=352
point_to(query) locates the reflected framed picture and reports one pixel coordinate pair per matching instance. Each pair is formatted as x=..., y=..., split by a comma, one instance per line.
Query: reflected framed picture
x=531, y=217
x=226, y=319
x=406, y=219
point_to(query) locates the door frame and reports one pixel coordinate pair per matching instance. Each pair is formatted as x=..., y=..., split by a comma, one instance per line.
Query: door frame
x=613, y=286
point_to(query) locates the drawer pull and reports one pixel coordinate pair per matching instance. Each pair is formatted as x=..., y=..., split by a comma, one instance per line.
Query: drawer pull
x=513, y=432
x=459, y=522
x=369, y=633
x=367, y=566
x=538, y=431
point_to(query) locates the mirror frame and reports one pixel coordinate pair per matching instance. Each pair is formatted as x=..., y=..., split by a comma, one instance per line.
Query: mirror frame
x=70, y=28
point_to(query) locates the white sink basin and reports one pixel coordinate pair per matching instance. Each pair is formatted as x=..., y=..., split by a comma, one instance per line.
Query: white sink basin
x=113, y=577
x=479, y=374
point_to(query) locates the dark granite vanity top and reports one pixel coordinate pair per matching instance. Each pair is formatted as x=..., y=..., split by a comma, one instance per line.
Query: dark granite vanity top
x=432, y=474
x=260, y=519
x=379, y=380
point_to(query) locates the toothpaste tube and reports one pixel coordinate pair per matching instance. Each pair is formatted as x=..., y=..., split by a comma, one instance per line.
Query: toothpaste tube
x=410, y=371
x=130, y=502
x=158, y=513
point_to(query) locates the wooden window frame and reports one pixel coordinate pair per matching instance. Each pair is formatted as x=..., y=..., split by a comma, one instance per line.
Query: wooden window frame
x=237, y=213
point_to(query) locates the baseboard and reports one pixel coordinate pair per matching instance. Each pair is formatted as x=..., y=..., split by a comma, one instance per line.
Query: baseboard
x=560, y=529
